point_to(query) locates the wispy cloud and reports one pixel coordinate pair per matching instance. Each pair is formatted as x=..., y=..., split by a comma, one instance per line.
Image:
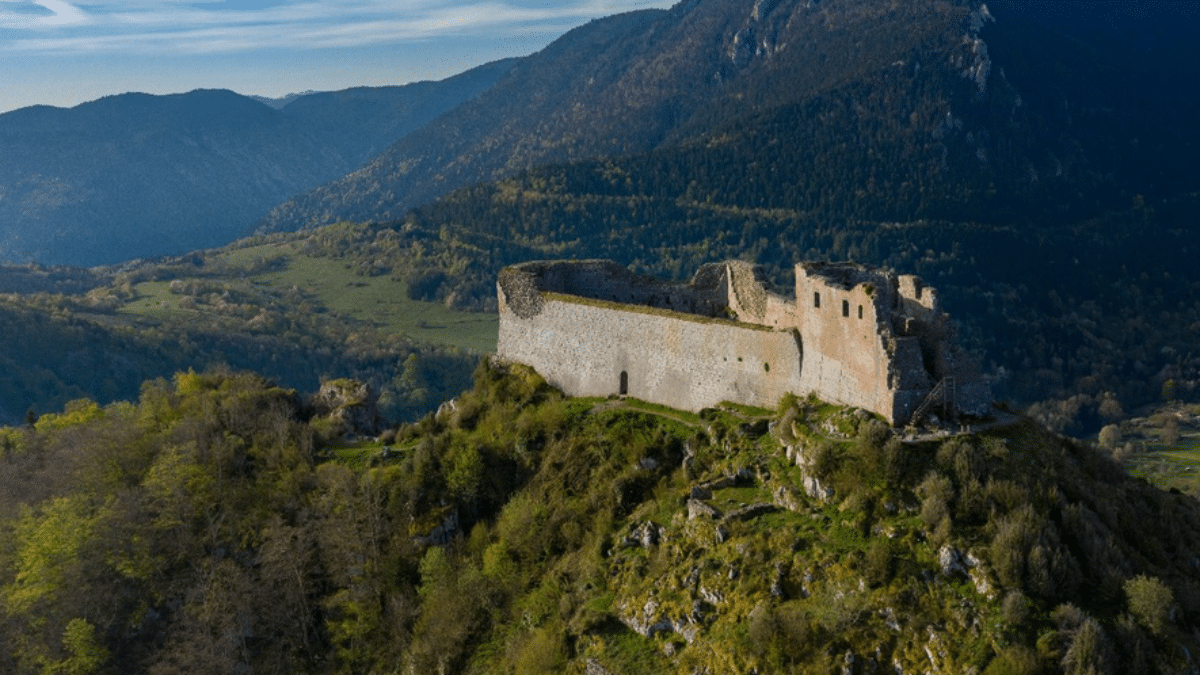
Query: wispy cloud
x=40, y=14
x=156, y=26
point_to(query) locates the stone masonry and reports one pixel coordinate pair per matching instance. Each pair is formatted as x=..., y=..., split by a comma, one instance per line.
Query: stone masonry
x=852, y=335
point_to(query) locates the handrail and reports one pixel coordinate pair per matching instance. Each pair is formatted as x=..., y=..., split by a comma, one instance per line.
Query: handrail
x=945, y=391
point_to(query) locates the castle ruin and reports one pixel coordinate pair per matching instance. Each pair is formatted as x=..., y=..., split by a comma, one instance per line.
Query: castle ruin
x=852, y=335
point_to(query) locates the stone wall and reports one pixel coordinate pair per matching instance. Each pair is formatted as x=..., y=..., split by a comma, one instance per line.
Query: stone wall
x=704, y=295
x=852, y=335
x=583, y=346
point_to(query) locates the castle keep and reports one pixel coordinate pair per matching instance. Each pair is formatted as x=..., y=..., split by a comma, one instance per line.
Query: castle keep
x=853, y=335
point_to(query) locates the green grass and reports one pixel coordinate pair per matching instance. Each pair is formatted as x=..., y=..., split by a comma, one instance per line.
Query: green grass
x=629, y=652
x=360, y=455
x=155, y=300
x=747, y=410
x=728, y=499
x=680, y=415
x=381, y=301
x=1170, y=466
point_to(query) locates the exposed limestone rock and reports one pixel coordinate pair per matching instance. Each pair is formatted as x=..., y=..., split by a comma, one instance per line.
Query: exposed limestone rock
x=777, y=590
x=650, y=622
x=786, y=497
x=748, y=512
x=698, y=509
x=816, y=490
x=982, y=585
x=349, y=403
x=593, y=667
x=742, y=476
x=444, y=532
x=446, y=409
x=951, y=561
x=712, y=597
x=647, y=535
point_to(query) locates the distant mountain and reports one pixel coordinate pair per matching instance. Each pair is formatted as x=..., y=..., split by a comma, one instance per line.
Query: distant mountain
x=138, y=175
x=281, y=101
x=931, y=108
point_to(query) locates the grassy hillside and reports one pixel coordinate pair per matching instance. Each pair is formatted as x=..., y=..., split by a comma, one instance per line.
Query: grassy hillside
x=272, y=269
x=1162, y=447
x=272, y=306
x=215, y=526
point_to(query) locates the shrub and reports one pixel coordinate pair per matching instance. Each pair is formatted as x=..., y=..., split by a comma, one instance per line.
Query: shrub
x=878, y=564
x=825, y=461
x=1110, y=435
x=1014, y=660
x=1091, y=652
x=542, y=652
x=1015, y=609
x=1015, y=535
x=786, y=403
x=1150, y=601
x=936, y=493
x=894, y=462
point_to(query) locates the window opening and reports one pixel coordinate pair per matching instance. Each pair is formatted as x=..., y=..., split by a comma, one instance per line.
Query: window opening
x=624, y=383
x=860, y=311
x=845, y=308
x=817, y=300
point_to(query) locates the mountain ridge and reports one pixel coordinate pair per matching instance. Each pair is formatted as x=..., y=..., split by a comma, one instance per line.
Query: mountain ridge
x=592, y=93
x=135, y=175
x=943, y=87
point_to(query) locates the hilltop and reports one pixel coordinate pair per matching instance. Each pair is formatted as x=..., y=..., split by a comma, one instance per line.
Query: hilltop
x=220, y=522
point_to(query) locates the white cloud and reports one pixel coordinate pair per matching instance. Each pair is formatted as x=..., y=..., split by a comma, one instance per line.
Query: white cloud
x=27, y=17
x=156, y=26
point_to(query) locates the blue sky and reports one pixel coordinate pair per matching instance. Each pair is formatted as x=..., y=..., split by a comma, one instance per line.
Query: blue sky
x=64, y=52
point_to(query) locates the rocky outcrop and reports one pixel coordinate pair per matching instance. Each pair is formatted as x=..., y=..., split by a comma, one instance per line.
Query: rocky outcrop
x=352, y=407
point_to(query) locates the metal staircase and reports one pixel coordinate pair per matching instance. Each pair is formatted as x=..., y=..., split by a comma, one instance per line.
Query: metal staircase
x=942, y=394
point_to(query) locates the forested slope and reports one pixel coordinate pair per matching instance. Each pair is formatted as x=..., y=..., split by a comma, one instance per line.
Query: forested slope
x=219, y=525
x=636, y=82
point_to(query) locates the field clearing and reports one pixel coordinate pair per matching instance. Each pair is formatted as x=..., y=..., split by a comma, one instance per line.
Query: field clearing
x=1169, y=466
x=381, y=302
